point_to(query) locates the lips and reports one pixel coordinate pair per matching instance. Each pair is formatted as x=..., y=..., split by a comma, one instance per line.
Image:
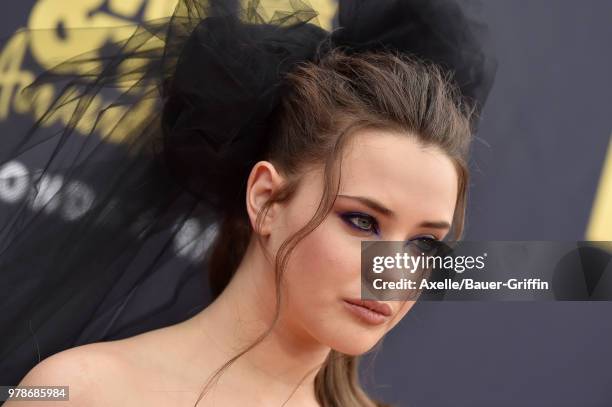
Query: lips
x=379, y=307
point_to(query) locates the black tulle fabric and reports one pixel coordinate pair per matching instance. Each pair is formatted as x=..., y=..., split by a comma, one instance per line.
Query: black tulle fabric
x=102, y=239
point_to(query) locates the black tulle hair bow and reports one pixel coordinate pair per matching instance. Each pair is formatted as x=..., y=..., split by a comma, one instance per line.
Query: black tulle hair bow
x=228, y=76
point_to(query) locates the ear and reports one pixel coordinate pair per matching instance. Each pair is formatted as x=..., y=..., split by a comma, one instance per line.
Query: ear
x=263, y=181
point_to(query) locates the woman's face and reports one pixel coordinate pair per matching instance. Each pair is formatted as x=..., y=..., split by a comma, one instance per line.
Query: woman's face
x=415, y=183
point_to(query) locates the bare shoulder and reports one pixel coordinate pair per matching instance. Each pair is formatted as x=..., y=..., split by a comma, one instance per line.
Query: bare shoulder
x=132, y=371
x=89, y=371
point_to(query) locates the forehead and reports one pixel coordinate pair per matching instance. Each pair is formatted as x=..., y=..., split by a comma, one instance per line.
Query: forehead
x=398, y=171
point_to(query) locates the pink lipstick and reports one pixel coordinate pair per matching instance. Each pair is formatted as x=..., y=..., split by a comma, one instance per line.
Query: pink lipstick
x=371, y=312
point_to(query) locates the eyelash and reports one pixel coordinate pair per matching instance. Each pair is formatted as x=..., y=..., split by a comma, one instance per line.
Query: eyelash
x=350, y=215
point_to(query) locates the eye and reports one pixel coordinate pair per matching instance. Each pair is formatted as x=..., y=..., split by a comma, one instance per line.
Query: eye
x=361, y=221
x=428, y=245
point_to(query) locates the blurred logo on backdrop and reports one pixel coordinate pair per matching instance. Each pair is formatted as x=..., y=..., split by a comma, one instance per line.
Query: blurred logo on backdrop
x=600, y=221
x=54, y=32
x=58, y=30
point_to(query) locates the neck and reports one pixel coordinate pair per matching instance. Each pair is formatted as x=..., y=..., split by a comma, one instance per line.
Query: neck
x=286, y=360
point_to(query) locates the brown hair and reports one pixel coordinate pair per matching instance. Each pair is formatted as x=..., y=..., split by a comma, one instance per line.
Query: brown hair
x=324, y=104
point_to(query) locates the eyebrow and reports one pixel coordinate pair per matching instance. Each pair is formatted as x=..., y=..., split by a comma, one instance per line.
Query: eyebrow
x=380, y=208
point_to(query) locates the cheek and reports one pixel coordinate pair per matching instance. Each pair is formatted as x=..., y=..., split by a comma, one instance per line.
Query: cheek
x=323, y=269
x=327, y=262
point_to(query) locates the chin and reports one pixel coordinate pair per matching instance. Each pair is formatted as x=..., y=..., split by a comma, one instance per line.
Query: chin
x=353, y=340
x=355, y=345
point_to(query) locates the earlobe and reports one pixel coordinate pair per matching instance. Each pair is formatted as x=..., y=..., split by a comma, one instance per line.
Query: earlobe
x=263, y=181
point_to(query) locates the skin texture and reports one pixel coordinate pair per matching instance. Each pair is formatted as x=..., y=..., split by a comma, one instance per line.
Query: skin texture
x=169, y=366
